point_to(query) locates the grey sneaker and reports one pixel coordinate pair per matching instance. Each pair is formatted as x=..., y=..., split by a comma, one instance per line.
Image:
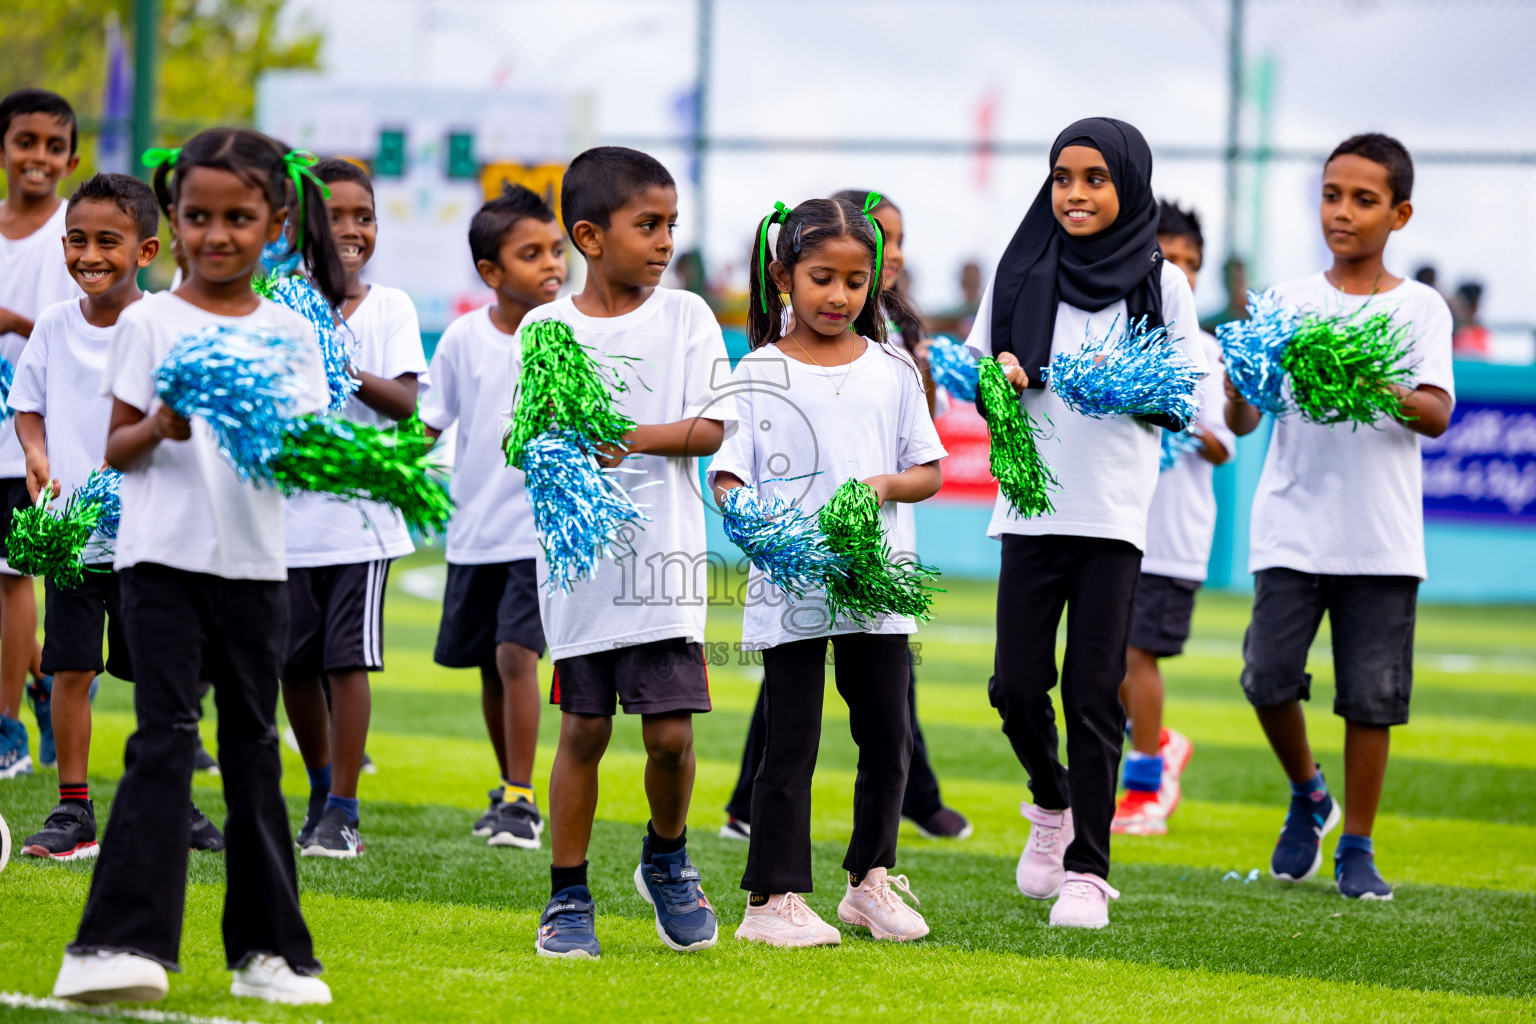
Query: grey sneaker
x=487, y=821
x=335, y=836
x=517, y=824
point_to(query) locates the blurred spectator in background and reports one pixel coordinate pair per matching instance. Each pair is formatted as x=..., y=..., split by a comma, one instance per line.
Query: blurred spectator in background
x=1471, y=339
x=1234, y=276
x=957, y=320
x=1427, y=274
x=691, y=277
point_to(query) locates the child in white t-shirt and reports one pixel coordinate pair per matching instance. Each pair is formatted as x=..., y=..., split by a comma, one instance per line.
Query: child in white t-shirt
x=339, y=551
x=1180, y=527
x=491, y=602
x=828, y=400
x=1084, y=262
x=1338, y=527
x=201, y=558
x=38, y=145
x=61, y=420
x=634, y=631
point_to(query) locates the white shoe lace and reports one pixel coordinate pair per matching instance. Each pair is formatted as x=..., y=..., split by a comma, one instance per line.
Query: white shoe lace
x=793, y=908
x=886, y=898
x=1042, y=838
x=1077, y=889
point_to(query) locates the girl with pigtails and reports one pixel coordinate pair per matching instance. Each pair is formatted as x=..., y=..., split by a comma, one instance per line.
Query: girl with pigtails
x=825, y=396
x=201, y=556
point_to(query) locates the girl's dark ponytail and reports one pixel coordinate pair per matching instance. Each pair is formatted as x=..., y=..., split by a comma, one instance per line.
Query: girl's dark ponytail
x=765, y=310
x=315, y=241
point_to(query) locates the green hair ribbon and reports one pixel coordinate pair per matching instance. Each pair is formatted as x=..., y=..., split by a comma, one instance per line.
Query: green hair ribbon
x=298, y=162
x=779, y=215
x=872, y=201
x=157, y=157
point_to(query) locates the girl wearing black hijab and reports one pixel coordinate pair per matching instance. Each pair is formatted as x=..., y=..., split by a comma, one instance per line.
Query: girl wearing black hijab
x=1084, y=260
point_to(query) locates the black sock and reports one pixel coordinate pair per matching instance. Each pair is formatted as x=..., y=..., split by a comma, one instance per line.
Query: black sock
x=758, y=899
x=656, y=844
x=855, y=879
x=564, y=878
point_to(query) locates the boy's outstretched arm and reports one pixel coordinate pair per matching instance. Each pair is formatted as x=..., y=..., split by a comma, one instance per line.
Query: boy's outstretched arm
x=1425, y=409
x=685, y=438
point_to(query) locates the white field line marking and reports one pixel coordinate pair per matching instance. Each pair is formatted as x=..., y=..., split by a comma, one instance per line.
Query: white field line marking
x=25, y=1001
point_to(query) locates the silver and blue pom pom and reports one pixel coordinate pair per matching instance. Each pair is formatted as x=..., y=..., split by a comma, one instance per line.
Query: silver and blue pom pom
x=1254, y=350
x=1131, y=371
x=245, y=384
x=781, y=540
x=1173, y=445
x=297, y=293
x=7, y=377
x=579, y=509
x=953, y=368
x=100, y=488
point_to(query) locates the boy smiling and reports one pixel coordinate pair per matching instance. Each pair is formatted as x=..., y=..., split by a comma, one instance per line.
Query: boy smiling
x=37, y=142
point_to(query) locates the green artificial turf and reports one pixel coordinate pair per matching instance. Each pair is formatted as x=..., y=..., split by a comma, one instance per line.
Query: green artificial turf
x=432, y=925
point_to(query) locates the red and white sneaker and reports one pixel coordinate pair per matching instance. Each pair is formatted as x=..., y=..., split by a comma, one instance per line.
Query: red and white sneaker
x=1140, y=813
x=1176, y=749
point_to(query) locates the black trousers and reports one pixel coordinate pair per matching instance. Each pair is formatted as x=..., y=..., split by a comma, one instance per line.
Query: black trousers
x=1095, y=580
x=921, y=799
x=873, y=673
x=180, y=625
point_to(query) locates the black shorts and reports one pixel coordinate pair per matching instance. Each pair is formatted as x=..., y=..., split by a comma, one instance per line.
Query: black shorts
x=336, y=619
x=1160, y=618
x=73, y=622
x=1371, y=618
x=650, y=679
x=486, y=605
x=13, y=495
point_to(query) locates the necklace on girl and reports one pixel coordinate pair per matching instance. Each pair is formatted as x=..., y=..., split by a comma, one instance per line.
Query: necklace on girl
x=837, y=386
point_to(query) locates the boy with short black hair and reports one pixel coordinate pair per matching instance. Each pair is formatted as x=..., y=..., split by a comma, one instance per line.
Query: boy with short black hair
x=1181, y=524
x=614, y=638
x=491, y=604
x=1338, y=527
x=38, y=138
x=61, y=420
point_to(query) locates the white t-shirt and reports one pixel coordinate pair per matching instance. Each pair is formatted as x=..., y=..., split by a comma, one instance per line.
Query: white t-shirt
x=59, y=378
x=1347, y=501
x=33, y=276
x=1182, y=520
x=793, y=422
x=474, y=370
x=325, y=530
x=1107, y=468
x=672, y=358
x=183, y=505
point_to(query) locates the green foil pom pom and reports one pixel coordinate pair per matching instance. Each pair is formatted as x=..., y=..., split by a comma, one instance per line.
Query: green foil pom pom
x=1021, y=473
x=562, y=387
x=871, y=584
x=50, y=544
x=354, y=460
x=1342, y=368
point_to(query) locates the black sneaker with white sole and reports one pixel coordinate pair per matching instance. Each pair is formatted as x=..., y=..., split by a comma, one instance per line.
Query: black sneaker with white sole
x=205, y=834
x=944, y=823
x=335, y=836
x=487, y=821
x=69, y=833
x=312, y=815
x=202, y=761
x=517, y=824
x=735, y=828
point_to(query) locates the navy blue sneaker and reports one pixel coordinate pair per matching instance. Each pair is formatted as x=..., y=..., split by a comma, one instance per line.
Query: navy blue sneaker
x=1299, y=852
x=568, y=927
x=1357, y=877
x=670, y=884
x=40, y=696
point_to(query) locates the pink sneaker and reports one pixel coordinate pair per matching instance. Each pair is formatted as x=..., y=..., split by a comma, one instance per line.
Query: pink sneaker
x=786, y=920
x=874, y=905
x=1050, y=833
x=1084, y=902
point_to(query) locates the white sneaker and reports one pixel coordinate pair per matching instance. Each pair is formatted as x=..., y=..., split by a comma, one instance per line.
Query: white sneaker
x=786, y=920
x=110, y=978
x=874, y=905
x=1084, y=902
x=267, y=976
x=1040, y=868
